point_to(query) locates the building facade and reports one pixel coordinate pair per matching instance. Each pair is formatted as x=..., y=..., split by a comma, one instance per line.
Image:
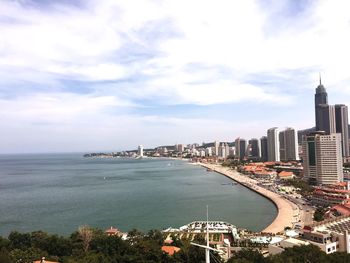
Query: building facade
x=273, y=149
x=326, y=118
x=322, y=158
x=241, y=146
x=254, y=145
x=342, y=127
x=263, y=147
x=216, y=148
x=288, y=141
x=321, y=98
x=140, y=150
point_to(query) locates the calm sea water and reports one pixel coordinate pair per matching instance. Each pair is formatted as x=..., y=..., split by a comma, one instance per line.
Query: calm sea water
x=59, y=192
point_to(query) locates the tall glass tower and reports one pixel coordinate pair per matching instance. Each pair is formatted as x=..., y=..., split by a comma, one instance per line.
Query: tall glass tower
x=321, y=99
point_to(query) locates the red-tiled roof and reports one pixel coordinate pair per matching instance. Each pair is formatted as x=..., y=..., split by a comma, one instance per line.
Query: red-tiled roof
x=332, y=190
x=342, y=184
x=285, y=174
x=170, y=249
x=112, y=231
x=342, y=209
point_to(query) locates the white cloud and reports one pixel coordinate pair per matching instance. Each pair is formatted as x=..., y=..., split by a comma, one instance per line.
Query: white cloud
x=196, y=52
x=56, y=108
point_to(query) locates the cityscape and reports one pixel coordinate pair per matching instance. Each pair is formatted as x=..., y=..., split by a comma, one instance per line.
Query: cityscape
x=303, y=171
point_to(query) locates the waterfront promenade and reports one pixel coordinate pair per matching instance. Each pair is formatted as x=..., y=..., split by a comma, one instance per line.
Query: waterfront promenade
x=288, y=212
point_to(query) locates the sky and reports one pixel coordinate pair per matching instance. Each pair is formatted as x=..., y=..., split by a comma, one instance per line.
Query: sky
x=109, y=75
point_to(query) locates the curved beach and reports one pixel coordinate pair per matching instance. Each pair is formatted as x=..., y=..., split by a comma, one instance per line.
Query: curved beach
x=287, y=211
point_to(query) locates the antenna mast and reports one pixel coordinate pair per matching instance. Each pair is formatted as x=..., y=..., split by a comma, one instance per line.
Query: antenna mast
x=207, y=247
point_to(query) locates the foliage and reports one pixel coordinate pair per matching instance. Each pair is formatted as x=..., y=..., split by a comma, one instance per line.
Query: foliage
x=319, y=214
x=27, y=247
x=247, y=255
x=305, y=188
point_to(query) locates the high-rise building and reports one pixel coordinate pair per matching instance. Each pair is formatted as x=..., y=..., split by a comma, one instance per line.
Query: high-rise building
x=241, y=146
x=263, y=146
x=273, y=149
x=227, y=149
x=342, y=127
x=254, y=148
x=179, y=148
x=322, y=158
x=216, y=148
x=321, y=98
x=208, y=151
x=222, y=150
x=232, y=151
x=326, y=118
x=140, y=150
x=288, y=141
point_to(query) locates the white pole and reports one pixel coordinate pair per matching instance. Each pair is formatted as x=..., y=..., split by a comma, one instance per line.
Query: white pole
x=207, y=251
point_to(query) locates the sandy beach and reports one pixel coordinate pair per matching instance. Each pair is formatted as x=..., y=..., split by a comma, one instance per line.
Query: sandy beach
x=287, y=211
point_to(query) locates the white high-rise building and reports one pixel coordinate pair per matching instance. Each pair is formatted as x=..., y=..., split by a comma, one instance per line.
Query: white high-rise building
x=179, y=148
x=216, y=148
x=273, y=146
x=322, y=158
x=208, y=151
x=288, y=141
x=140, y=150
x=222, y=150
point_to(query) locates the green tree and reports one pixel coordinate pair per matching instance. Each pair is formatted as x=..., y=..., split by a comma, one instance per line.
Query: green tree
x=319, y=214
x=26, y=255
x=297, y=254
x=19, y=240
x=4, y=256
x=4, y=243
x=247, y=255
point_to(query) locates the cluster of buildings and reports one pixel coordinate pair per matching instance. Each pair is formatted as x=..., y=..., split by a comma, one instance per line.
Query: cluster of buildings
x=325, y=149
x=330, y=236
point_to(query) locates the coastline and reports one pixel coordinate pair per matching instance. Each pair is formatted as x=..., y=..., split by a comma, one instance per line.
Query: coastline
x=287, y=211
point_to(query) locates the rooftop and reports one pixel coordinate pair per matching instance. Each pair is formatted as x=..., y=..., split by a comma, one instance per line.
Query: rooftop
x=171, y=250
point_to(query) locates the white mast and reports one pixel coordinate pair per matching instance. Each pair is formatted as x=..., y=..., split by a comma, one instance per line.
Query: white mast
x=207, y=247
x=207, y=252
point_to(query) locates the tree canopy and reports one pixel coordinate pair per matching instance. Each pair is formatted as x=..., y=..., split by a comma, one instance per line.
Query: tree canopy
x=94, y=246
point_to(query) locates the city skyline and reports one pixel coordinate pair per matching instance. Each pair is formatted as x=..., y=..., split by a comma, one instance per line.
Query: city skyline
x=111, y=75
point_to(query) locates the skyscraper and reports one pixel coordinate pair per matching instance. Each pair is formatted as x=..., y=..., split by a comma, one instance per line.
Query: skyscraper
x=321, y=98
x=263, y=145
x=140, y=150
x=326, y=118
x=227, y=149
x=216, y=148
x=288, y=145
x=322, y=158
x=222, y=150
x=273, y=149
x=240, y=145
x=254, y=148
x=341, y=123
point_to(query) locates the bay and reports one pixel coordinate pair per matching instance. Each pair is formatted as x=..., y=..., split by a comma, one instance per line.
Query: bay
x=59, y=192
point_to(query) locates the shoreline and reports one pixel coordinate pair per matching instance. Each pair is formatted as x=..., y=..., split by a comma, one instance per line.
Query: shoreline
x=287, y=211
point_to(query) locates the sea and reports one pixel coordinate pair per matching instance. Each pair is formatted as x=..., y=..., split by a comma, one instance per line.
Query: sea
x=57, y=193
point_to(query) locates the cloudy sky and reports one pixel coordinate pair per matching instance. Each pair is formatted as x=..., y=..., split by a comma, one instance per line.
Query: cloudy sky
x=113, y=74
